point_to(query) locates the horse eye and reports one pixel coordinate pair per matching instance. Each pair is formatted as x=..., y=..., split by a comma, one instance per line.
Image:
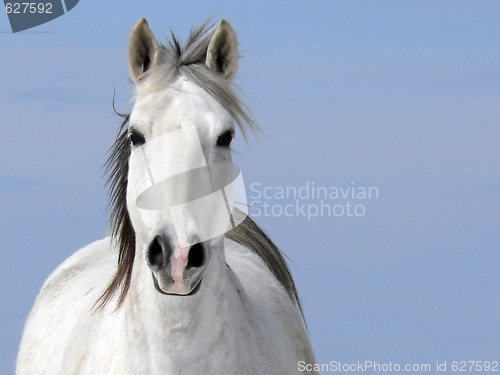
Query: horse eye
x=136, y=138
x=225, y=139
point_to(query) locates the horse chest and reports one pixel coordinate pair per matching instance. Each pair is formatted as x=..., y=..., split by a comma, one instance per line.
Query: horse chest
x=220, y=349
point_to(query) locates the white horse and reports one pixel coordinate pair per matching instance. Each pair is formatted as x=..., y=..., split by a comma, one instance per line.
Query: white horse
x=185, y=297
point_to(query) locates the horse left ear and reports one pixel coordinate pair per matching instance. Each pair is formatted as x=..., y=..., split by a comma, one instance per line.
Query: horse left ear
x=222, y=52
x=143, y=50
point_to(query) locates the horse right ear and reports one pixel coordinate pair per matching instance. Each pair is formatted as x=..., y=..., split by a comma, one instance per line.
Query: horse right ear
x=142, y=50
x=222, y=52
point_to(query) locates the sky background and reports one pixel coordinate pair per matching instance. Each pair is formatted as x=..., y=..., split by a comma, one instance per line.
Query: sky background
x=404, y=96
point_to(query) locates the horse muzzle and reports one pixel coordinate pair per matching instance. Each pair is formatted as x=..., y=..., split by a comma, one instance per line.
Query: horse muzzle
x=176, y=270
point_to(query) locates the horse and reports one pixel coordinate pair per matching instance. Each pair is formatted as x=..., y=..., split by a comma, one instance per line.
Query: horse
x=185, y=283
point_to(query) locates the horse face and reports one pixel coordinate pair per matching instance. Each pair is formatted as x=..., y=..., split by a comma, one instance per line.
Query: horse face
x=179, y=195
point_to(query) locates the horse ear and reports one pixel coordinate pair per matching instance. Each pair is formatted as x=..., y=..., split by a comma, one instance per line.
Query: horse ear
x=222, y=52
x=142, y=50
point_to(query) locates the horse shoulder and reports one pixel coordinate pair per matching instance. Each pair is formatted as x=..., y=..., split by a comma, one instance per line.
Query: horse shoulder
x=63, y=308
x=275, y=308
x=79, y=262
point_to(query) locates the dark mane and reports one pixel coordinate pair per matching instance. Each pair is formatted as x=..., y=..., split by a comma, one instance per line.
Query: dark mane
x=187, y=60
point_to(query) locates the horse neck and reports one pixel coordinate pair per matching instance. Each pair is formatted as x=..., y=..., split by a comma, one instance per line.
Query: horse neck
x=178, y=321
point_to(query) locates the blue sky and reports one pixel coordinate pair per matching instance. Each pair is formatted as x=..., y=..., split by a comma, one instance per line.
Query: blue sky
x=403, y=96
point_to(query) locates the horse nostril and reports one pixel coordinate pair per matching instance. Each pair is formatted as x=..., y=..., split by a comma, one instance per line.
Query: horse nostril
x=155, y=253
x=196, y=256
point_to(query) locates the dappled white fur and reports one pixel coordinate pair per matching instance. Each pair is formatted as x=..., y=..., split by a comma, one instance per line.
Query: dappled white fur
x=241, y=322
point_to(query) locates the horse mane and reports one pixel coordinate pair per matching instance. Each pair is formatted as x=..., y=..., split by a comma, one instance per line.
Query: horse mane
x=189, y=61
